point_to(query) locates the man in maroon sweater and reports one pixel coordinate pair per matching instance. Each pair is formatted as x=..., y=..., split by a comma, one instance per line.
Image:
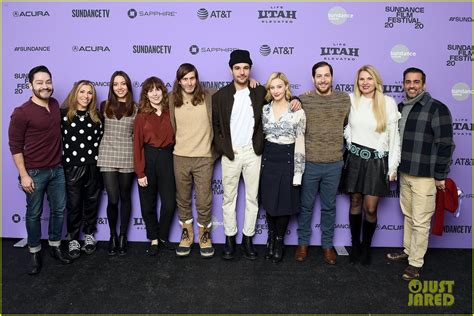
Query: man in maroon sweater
x=34, y=137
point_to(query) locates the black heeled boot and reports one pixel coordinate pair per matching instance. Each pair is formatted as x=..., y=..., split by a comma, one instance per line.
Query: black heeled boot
x=248, y=249
x=279, y=249
x=270, y=245
x=229, y=248
x=122, y=245
x=35, y=263
x=113, y=243
x=368, y=230
x=355, y=221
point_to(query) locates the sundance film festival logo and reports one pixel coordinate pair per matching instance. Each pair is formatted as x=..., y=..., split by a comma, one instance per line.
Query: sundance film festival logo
x=461, y=91
x=22, y=83
x=90, y=13
x=404, y=15
x=400, y=53
x=90, y=49
x=338, y=15
x=132, y=13
x=266, y=50
x=151, y=49
x=339, y=51
x=20, y=14
x=462, y=127
x=194, y=49
x=204, y=14
x=277, y=14
x=459, y=53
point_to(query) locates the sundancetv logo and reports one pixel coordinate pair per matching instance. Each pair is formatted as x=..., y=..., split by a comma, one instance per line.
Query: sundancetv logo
x=430, y=293
x=151, y=49
x=90, y=13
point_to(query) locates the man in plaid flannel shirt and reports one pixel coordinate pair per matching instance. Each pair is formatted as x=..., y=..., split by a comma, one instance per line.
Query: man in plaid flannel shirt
x=427, y=147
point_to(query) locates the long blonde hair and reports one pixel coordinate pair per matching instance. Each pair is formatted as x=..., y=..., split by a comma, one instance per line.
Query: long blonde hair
x=71, y=101
x=378, y=103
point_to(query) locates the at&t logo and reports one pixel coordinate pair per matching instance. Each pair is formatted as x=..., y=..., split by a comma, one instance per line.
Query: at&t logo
x=266, y=50
x=203, y=14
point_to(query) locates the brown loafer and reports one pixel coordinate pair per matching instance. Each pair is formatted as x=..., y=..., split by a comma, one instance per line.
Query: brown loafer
x=301, y=253
x=329, y=256
x=411, y=273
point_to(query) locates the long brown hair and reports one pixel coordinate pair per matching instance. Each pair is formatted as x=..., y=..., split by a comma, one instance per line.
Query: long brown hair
x=71, y=101
x=112, y=102
x=199, y=92
x=148, y=85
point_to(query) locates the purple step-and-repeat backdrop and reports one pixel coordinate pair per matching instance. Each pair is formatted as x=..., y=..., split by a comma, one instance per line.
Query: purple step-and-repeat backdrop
x=91, y=40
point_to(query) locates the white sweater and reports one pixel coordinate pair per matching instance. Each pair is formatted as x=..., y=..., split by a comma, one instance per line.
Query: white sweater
x=361, y=129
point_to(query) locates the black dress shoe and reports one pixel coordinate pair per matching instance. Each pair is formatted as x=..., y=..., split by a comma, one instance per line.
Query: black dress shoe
x=57, y=253
x=278, y=253
x=122, y=245
x=35, y=263
x=229, y=248
x=152, y=250
x=166, y=245
x=248, y=249
x=113, y=242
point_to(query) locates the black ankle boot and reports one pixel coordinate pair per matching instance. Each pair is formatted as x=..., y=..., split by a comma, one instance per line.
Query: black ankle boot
x=355, y=221
x=229, y=248
x=270, y=245
x=122, y=245
x=279, y=248
x=248, y=249
x=368, y=230
x=113, y=242
x=57, y=253
x=35, y=263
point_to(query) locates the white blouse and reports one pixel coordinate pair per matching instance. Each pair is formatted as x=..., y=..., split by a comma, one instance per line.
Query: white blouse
x=289, y=129
x=361, y=129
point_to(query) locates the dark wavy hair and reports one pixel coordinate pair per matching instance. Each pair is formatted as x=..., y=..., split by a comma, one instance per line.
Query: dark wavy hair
x=112, y=103
x=149, y=84
x=199, y=92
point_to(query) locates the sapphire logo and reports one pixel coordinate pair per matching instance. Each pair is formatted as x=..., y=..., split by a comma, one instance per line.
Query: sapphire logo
x=266, y=50
x=19, y=14
x=194, y=49
x=277, y=14
x=339, y=51
x=16, y=218
x=202, y=14
x=132, y=13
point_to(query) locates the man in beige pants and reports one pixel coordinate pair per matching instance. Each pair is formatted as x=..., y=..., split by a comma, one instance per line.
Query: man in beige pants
x=427, y=146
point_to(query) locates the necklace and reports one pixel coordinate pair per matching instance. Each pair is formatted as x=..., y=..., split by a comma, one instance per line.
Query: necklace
x=82, y=117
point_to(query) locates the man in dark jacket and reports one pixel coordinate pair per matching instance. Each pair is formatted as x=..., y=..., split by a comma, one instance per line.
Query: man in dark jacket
x=427, y=146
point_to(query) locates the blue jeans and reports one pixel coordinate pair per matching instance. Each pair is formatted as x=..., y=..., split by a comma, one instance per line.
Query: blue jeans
x=52, y=182
x=322, y=177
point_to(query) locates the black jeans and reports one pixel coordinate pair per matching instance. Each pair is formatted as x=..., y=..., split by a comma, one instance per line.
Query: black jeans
x=83, y=188
x=160, y=176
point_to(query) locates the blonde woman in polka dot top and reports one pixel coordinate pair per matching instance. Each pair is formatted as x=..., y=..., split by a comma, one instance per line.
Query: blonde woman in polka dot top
x=81, y=129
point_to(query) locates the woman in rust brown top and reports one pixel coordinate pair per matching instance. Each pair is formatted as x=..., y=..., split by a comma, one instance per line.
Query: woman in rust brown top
x=153, y=141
